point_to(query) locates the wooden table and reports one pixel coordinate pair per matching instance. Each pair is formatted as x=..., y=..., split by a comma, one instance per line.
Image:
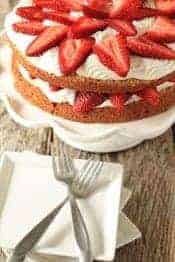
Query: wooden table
x=149, y=172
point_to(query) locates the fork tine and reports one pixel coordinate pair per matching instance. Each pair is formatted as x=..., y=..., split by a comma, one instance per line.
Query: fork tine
x=89, y=174
x=92, y=177
x=80, y=175
x=69, y=161
x=54, y=165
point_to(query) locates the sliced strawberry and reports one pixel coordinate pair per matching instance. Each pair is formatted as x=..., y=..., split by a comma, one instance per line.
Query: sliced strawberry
x=67, y=5
x=85, y=102
x=63, y=18
x=114, y=54
x=124, y=27
x=49, y=38
x=30, y=28
x=49, y=4
x=86, y=26
x=150, y=95
x=123, y=8
x=54, y=88
x=166, y=6
x=73, y=52
x=142, y=13
x=92, y=12
x=163, y=30
x=148, y=48
x=104, y=5
x=119, y=101
x=30, y=12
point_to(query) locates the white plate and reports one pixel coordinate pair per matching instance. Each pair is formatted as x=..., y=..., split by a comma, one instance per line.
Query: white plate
x=89, y=137
x=31, y=192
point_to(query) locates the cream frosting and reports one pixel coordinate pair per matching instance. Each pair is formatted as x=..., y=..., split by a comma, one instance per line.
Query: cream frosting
x=68, y=95
x=141, y=68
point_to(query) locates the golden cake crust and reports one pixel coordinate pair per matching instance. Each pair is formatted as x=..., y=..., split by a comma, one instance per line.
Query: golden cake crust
x=88, y=84
x=134, y=111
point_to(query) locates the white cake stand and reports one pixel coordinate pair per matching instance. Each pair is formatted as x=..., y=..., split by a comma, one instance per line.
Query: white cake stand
x=100, y=138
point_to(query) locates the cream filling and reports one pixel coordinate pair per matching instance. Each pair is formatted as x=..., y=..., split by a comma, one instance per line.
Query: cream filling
x=68, y=95
x=141, y=68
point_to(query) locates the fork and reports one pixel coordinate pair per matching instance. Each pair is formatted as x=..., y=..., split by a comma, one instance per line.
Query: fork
x=82, y=189
x=79, y=185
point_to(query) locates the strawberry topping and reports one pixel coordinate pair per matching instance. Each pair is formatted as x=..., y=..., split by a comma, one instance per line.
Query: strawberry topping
x=86, y=26
x=163, y=30
x=148, y=48
x=51, y=37
x=49, y=4
x=73, y=52
x=150, y=95
x=124, y=27
x=114, y=54
x=30, y=12
x=124, y=8
x=166, y=6
x=61, y=17
x=31, y=28
x=85, y=102
x=119, y=101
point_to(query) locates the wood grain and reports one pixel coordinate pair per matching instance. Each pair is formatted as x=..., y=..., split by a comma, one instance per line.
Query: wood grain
x=149, y=172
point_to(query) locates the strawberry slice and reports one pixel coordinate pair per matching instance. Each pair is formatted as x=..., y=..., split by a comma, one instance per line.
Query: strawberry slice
x=85, y=102
x=166, y=6
x=163, y=30
x=51, y=37
x=100, y=5
x=67, y=5
x=148, y=48
x=124, y=27
x=95, y=13
x=49, y=4
x=142, y=13
x=119, y=101
x=123, y=8
x=150, y=95
x=73, y=52
x=30, y=12
x=86, y=26
x=61, y=17
x=30, y=28
x=114, y=54
x=54, y=88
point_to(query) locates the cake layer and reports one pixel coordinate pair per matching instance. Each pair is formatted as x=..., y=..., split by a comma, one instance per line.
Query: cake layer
x=93, y=75
x=132, y=111
x=88, y=84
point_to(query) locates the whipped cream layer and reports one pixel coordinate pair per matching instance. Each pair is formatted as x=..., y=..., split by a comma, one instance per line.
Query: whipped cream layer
x=141, y=68
x=68, y=95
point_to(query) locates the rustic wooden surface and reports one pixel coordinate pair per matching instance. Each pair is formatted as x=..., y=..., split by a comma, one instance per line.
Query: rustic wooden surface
x=149, y=172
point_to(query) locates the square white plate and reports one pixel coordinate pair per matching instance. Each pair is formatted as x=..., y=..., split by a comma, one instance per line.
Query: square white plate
x=33, y=192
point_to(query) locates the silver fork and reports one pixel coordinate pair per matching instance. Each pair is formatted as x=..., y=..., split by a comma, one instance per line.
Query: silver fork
x=81, y=190
x=79, y=184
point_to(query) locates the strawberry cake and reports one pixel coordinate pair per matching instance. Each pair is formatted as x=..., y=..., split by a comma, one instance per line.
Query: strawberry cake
x=94, y=61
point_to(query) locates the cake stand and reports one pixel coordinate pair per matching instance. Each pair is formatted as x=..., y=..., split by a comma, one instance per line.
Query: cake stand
x=99, y=138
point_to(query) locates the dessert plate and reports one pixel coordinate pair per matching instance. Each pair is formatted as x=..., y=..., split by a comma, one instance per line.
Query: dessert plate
x=99, y=138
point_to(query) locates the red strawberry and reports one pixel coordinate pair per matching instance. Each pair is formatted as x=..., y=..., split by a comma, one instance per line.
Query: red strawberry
x=123, y=27
x=63, y=18
x=163, y=30
x=49, y=4
x=73, y=52
x=67, y=5
x=147, y=48
x=97, y=9
x=114, y=54
x=49, y=38
x=92, y=12
x=85, y=102
x=54, y=88
x=142, y=13
x=86, y=26
x=150, y=95
x=122, y=8
x=119, y=101
x=166, y=6
x=31, y=28
x=30, y=12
